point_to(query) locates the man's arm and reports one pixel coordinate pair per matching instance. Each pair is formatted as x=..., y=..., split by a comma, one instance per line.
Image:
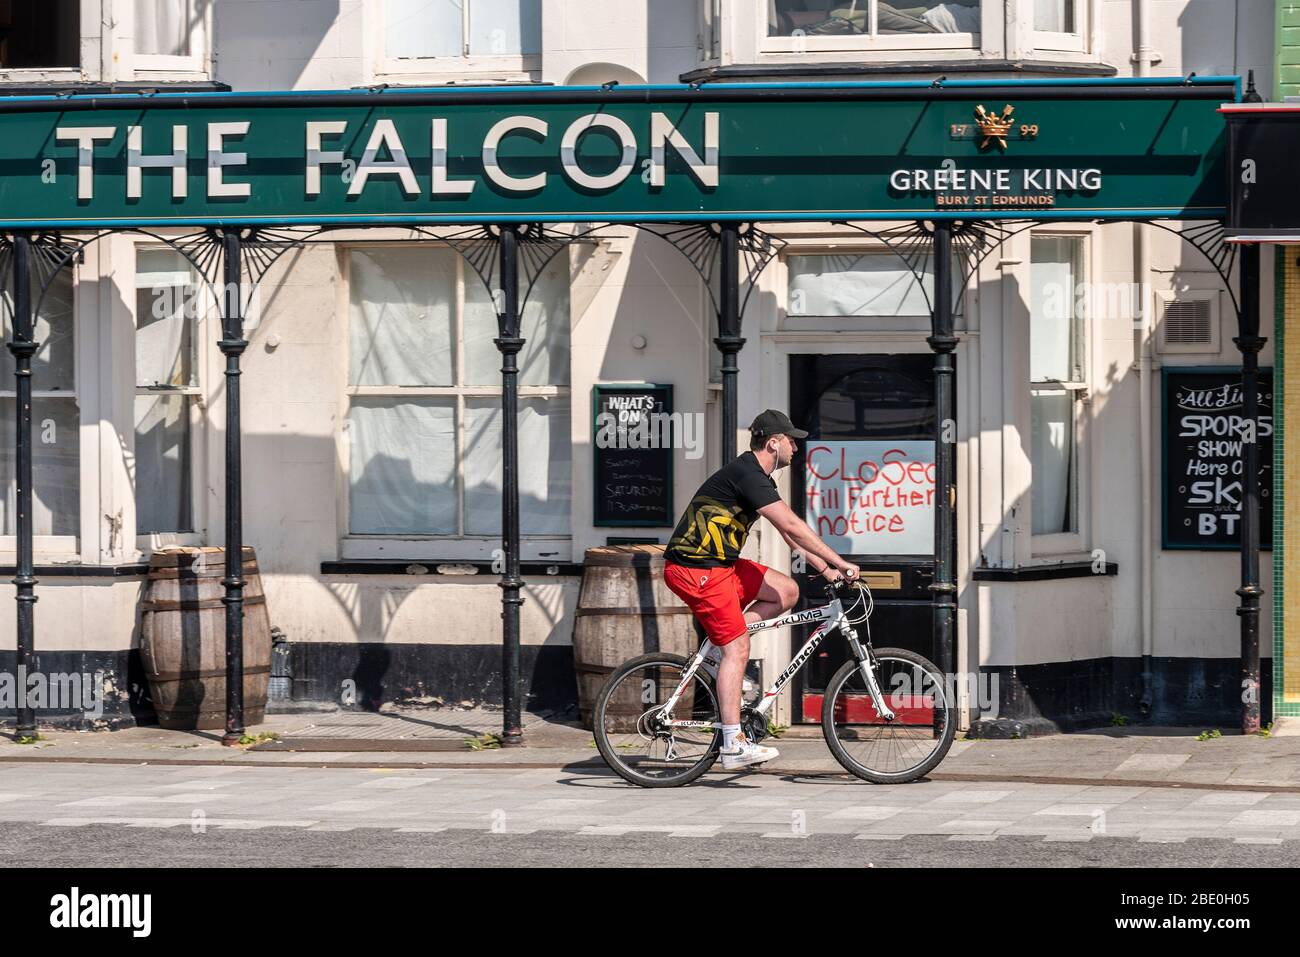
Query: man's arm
x=798, y=534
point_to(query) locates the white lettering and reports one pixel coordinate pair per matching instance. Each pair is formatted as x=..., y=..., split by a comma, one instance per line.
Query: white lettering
x=316, y=157
x=84, y=137
x=136, y=160
x=442, y=186
x=515, y=184
x=384, y=136
x=569, y=151
x=218, y=159
x=663, y=134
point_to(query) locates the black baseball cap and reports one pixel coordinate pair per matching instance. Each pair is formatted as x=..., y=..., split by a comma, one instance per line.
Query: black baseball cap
x=772, y=422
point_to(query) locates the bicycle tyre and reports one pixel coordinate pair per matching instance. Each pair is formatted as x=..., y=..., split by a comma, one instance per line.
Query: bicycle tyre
x=832, y=694
x=609, y=751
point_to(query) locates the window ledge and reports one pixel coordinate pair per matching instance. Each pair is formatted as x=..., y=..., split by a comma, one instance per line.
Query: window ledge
x=79, y=570
x=752, y=71
x=1053, y=572
x=429, y=568
x=10, y=87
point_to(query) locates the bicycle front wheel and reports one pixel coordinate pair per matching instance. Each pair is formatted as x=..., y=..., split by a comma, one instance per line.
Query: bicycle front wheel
x=883, y=751
x=632, y=735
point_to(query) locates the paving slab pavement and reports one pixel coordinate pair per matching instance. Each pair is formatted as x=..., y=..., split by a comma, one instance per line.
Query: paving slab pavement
x=440, y=737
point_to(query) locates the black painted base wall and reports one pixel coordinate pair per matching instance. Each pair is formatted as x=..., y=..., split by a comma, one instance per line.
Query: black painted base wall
x=377, y=673
x=1075, y=695
x=382, y=673
x=1032, y=699
x=125, y=693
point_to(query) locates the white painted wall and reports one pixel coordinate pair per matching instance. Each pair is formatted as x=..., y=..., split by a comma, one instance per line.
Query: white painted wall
x=293, y=392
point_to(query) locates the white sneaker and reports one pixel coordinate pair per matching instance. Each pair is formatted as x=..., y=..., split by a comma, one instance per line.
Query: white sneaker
x=744, y=754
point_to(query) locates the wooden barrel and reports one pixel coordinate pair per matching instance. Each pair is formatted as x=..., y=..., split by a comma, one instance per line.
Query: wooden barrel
x=183, y=638
x=625, y=610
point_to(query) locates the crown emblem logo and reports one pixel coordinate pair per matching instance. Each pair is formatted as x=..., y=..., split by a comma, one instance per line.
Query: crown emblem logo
x=994, y=128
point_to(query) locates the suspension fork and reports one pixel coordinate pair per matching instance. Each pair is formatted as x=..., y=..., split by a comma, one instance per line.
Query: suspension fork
x=867, y=668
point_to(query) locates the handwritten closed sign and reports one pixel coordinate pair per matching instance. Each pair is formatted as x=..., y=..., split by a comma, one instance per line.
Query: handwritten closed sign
x=871, y=497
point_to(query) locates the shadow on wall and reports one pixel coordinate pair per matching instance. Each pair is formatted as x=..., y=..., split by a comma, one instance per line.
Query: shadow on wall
x=269, y=45
x=1105, y=676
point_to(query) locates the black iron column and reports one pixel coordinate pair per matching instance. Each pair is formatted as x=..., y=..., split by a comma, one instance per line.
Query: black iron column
x=728, y=340
x=232, y=346
x=22, y=347
x=509, y=342
x=1249, y=342
x=944, y=342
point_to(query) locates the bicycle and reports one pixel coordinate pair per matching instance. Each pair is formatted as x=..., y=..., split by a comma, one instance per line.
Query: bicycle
x=657, y=723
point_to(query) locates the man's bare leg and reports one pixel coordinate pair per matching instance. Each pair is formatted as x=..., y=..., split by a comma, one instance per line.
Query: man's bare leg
x=731, y=674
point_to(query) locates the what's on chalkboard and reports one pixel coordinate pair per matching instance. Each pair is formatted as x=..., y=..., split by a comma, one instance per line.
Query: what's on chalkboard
x=632, y=452
x=1203, y=431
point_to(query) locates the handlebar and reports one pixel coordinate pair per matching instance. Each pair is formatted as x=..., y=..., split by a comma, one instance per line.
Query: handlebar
x=840, y=586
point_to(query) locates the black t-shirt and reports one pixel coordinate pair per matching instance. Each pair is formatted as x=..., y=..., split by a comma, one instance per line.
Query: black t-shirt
x=713, y=528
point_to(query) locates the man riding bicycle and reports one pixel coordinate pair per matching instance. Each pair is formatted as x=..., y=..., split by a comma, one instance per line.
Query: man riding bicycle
x=726, y=592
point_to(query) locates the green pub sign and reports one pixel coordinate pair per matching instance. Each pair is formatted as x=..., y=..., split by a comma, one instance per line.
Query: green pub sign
x=817, y=152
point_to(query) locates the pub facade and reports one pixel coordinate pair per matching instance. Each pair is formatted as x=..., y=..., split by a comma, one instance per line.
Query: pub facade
x=1094, y=550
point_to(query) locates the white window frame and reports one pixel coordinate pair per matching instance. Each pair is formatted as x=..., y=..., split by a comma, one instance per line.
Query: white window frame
x=159, y=66
x=809, y=47
x=1057, y=544
x=206, y=328
x=524, y=67
x=459, y=546
x=1077, y=42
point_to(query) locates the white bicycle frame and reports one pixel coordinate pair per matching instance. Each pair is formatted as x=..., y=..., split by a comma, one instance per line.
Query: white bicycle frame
x=831, y=616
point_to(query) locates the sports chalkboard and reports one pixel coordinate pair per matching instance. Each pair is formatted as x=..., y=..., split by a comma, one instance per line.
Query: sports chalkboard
x=632, y=451
x=1202, y=437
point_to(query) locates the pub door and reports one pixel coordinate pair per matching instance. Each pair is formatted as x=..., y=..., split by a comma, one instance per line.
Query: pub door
x=864, y=481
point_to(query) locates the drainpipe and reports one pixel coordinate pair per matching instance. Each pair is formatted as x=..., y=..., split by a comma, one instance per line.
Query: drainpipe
x=1143, y=59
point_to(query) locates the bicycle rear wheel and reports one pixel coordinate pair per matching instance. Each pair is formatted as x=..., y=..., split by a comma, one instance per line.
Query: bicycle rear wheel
x=889, y=752
x=632, y=739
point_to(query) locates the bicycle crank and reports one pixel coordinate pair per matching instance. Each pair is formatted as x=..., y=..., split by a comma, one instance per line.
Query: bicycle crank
x=754, y=724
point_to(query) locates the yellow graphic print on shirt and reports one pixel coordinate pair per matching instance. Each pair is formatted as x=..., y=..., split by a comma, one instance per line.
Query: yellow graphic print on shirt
x=712, y=530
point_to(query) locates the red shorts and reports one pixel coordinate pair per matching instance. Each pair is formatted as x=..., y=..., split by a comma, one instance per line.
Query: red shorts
x=718, y=596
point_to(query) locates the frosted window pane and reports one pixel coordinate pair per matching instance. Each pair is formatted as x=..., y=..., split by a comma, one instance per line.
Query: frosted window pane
x=544, y=326
x=504, y=27
x=424, y=28
x=162, y=464
x=166, y=300
x=163, y=27
x=545, y=472
x=402, y=301
x=54, y=364
x=855, y=284
x=1052, y=453
x=1054, y=16
x=56, y=467
x=1053, y=289
x=403, y=466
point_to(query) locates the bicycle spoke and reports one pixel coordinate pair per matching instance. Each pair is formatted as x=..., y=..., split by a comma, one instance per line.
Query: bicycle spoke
x=638, y=740
x=899, y=747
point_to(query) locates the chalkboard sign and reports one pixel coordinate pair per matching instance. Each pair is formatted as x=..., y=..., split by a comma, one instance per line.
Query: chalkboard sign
x=1202, y=458
x=632, y=448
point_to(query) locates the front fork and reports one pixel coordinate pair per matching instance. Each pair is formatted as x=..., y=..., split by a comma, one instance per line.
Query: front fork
x=867, y=668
